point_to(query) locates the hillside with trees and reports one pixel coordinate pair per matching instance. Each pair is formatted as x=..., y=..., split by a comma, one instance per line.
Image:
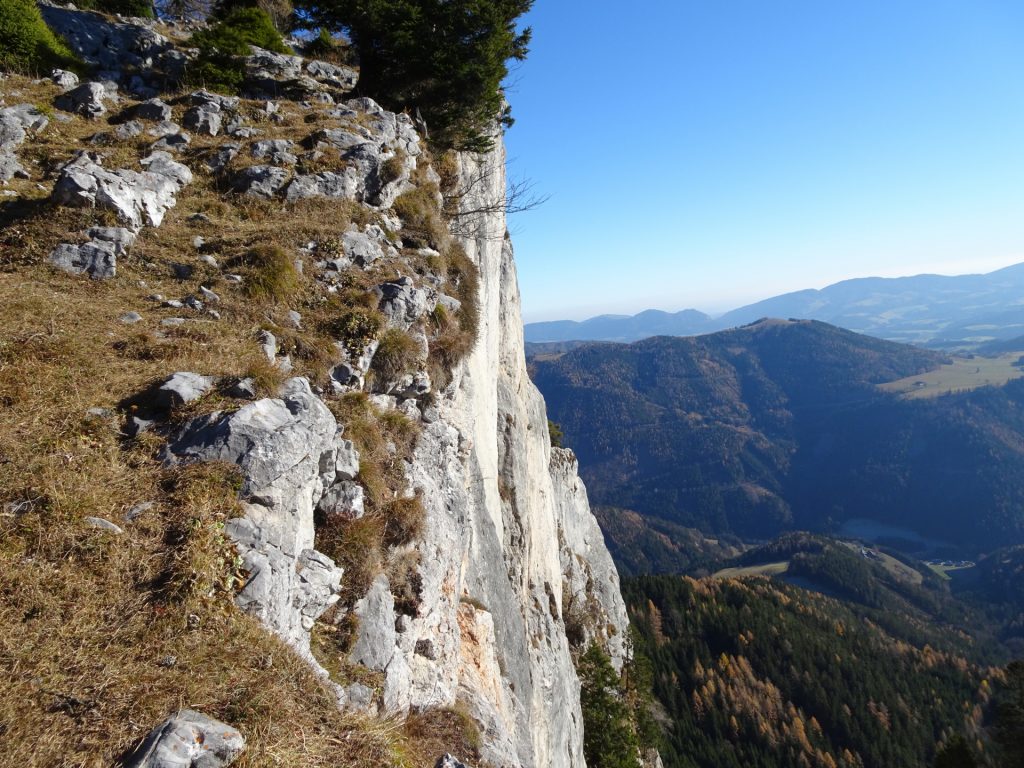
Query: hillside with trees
x=780, y=426
x=753, y=672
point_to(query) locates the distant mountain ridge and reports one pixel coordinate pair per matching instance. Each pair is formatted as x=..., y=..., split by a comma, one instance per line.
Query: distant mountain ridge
x=625, y=328
x=946, y=312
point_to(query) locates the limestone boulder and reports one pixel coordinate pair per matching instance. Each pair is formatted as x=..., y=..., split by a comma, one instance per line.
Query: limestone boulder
x=88, y=99
x=188, y=739
x=332, y=75
x=285, y=447
x=275, y=151
x=375, y=642
x=63, y=79
x=127, y=51
x=137, y=198
x=152, y=109
x=343, y=500
x=261, y=181
x=402, y=303
x=181, y=388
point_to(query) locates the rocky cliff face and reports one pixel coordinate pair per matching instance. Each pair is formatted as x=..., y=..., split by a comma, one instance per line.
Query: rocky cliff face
x=508, y=574
x=510, y=542
x=511, y=535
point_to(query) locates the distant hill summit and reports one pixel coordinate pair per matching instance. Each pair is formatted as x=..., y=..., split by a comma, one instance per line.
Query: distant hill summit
x=781, y=425
x=961, y=312
x=652, y=322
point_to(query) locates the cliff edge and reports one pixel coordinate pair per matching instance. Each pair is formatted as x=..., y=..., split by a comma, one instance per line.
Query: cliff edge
x=280, y=462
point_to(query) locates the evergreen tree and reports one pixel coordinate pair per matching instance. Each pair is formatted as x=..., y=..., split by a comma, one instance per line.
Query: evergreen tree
x=1009, y=725
x=445, y=59
x=608, y=737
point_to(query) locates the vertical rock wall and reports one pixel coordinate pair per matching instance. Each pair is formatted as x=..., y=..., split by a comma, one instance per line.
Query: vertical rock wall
x=510, y=535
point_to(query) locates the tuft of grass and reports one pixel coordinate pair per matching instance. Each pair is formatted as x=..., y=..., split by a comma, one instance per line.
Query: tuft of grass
x=404, y=518
x=267, y=378
x=404, y=578
x=437, y=730
x=271, y=274
x=356, y=546
x=422, y=222
x=391, y=169
x=453, y=337
x=397, y=355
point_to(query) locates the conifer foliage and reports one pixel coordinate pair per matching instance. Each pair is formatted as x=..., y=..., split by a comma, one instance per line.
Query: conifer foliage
x=445, y=59
x=609, y=740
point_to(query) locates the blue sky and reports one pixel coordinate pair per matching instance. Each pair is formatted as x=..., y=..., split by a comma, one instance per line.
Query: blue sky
x=707, y=154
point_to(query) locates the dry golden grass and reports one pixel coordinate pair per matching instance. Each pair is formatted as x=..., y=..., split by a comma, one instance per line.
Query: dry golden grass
x=397, y=355
x=436, y=731
x=103, y=635
x=88, y=620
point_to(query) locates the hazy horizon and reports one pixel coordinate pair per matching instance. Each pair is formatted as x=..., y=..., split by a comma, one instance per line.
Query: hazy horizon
x=716, y=309
x=711, y=155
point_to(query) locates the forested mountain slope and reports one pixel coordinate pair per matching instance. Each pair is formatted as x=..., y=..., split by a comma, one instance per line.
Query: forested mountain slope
x=754, y=672
x=780, y=425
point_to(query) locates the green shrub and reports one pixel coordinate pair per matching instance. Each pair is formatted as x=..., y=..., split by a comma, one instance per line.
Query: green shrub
x=28, y=44
x=555, y=433
x=222, y=47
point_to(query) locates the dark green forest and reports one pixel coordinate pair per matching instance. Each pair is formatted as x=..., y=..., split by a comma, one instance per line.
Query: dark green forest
x=755, y=672
x=780, y=426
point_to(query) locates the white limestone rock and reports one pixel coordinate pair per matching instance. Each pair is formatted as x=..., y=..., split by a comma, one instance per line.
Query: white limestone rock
x=137, y=198
x=592, y=600
x=181, y=388
x=343, y=500
x=275, y=151
x=403, y=303
x=152, y=109
x=286, y=449
x=88, y=99
x=188, y=739
x=63, y=79
x=261, y=181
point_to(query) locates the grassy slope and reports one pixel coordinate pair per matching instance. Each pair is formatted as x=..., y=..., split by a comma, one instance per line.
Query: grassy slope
x=101, y=636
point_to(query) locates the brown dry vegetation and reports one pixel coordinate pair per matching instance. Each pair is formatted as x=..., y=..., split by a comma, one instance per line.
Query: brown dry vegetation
x=391, y=519
x=103, y=635
x=90, y=621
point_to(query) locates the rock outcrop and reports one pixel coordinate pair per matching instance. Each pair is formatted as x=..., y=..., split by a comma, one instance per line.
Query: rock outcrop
x=508, y=576
x=509, y=533
x=287, y=450
x=16, y=125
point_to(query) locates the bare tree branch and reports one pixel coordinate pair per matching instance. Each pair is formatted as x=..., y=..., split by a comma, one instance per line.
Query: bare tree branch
x=517, y=197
